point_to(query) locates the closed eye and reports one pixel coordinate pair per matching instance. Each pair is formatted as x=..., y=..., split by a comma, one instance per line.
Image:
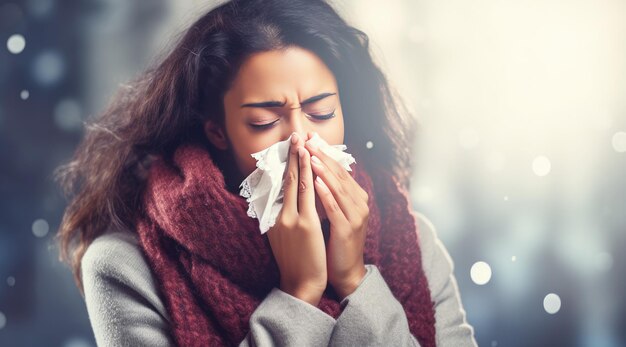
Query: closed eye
x=323, y=116
x=263, y=126
x=315, y=116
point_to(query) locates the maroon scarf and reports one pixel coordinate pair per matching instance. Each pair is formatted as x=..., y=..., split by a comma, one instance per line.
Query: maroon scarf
x=213, y=267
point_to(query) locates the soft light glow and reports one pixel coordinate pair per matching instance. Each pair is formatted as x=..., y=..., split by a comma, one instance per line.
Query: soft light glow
x=480, y=273
x=67, y=115
x=417, y=34
x=604, y=261
x=513, y=258
x=16, y=43
x=40, y=8
x=40, y=228
x=541, y=166
x=76, y=342
x=49, y=67
x=468, y=138
x=369, y=145
x=24, y=94
x=495, y=161
x=619, y=142
x=424, y=194
x=3, y=320
x=552, y=303
x=11, y=281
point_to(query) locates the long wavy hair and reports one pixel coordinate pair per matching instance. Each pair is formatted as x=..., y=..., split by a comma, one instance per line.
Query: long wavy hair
x=168, y=104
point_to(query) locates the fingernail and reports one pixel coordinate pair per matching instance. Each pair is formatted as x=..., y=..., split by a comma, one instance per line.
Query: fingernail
x=301, y=151
x=319, y=180
x=294, y=138
x=315, y=160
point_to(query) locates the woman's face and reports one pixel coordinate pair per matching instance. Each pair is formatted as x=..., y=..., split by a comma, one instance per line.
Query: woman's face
x=276, y=93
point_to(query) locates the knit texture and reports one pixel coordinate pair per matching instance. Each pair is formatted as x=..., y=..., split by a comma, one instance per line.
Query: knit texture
x=213, y=267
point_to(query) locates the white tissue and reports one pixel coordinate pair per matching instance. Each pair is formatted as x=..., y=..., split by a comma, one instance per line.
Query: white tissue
x=263, y=188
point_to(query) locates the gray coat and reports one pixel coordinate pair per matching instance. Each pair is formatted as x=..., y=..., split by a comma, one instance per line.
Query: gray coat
x=125, y=308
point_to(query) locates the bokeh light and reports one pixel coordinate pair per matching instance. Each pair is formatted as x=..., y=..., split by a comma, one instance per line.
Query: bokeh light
x=48, y=68
x=40, y=228
x=67, y=115
x=519, y=155
x=619, y=141
x=480, y=273
x=40, y=8
x=3, y=320
x=77, y=342
x=552, y=303
x=16, y=43
x=541, y=166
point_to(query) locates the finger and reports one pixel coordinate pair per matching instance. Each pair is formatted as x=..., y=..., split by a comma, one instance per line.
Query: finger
x=306, y=191
x=364, y=195
x=333, y=211
x=341, y=194
x=337, y=169
x=331, y=163
x=290, y=178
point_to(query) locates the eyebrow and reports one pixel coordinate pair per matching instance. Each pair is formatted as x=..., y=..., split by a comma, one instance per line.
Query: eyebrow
x=281, y=104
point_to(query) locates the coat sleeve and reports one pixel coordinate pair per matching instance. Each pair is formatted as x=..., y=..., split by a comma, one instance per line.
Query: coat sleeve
x=373, y=316
x=284, y=320
x=451, y=322
x=121, y=298
x=125, y=310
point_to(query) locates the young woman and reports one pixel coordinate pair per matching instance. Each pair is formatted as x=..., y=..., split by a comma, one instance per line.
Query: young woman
x=157, y=234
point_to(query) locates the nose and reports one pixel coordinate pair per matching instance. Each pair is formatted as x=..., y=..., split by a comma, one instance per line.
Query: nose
x=296, y=123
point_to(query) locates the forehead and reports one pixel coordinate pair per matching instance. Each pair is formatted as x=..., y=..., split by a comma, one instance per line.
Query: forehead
x=282, y=75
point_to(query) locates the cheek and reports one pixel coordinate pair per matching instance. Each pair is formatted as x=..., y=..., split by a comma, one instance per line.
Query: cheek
x=246, y=163
x=333, y=133
x=245, y=146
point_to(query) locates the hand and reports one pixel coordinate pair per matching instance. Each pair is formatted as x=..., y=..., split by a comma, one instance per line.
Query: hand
x=296, y=238
x=345, y=203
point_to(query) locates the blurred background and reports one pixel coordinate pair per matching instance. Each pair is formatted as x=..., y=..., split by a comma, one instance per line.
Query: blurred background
x=521, y=151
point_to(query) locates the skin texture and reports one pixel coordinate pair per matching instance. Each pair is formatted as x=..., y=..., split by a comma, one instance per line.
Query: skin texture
x=290, y=77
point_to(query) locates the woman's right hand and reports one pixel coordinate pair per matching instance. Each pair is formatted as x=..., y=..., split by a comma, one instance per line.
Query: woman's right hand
x=296, y=238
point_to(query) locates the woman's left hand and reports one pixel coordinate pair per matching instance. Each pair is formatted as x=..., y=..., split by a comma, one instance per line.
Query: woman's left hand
x=345, y=203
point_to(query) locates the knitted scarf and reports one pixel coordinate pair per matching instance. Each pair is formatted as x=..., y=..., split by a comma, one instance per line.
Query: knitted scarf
x=213, y=266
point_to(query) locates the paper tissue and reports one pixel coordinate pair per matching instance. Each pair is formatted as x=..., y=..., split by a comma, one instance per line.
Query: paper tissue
x=263, y=188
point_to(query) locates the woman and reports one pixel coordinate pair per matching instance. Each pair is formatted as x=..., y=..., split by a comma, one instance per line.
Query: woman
x=157, y=234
